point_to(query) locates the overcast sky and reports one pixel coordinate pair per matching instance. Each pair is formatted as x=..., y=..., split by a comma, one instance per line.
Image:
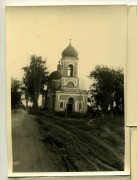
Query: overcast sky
x=98, y=33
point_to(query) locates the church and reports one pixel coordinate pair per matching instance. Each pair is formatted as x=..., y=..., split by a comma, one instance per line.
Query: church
x=63, y=93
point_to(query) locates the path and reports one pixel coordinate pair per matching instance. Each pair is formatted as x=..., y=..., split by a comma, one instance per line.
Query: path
x=29, y=152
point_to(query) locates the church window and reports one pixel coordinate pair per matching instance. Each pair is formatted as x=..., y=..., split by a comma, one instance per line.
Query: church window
x=61, y=104
x=70, y=84
x=70, y=70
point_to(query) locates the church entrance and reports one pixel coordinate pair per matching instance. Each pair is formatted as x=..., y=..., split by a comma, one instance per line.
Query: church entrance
x=70, y=107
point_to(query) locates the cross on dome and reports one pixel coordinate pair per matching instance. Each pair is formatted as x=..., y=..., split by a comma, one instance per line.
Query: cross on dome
x=70, y=41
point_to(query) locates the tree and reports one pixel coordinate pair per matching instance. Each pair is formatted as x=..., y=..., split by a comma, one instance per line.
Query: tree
x=16, y=93
x=35, y=76
x=119, y=90
x=107, y=88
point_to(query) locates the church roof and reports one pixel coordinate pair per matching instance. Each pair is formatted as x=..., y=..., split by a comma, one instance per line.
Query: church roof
x=70, y=51
x=55, y=75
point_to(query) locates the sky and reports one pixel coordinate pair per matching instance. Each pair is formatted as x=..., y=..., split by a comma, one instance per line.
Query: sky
x=98, y=33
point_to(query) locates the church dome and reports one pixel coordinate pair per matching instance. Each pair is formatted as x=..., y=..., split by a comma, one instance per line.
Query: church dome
x=70, y=51
x=54, y=80
x=55, y=75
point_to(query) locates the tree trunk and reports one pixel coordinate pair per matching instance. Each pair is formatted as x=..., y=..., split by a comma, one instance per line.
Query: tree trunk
x=111, y=106
x=26, y=103
x=36, y=100
x=26, y=97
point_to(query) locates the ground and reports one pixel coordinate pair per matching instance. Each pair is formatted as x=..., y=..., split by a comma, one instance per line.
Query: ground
x=45, y=143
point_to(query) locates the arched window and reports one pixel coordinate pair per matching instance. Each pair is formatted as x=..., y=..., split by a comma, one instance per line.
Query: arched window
x=61, y=104
x=70, y=70
x=70, y=84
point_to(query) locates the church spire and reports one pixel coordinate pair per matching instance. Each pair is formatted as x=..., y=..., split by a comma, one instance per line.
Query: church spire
x=70, y=41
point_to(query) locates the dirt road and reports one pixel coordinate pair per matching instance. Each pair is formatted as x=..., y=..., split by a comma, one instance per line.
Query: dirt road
x=29, y=152
x=42, y=143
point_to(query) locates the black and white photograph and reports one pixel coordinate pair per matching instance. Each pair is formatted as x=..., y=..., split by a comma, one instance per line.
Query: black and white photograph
x=66, y=68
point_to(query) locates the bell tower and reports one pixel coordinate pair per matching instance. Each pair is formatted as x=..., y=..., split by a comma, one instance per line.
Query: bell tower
x=63, y=93
x=69, y=68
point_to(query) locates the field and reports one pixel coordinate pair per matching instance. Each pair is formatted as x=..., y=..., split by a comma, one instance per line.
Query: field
x=42, y=142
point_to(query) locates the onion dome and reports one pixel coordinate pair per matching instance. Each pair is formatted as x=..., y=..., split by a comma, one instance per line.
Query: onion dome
x=70, y=51
x=55, y=75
